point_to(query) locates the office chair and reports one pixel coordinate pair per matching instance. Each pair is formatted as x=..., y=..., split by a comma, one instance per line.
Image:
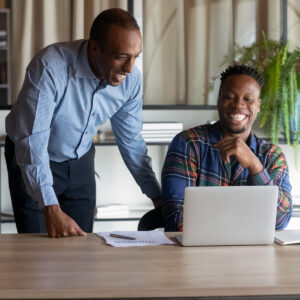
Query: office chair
x=151, y=220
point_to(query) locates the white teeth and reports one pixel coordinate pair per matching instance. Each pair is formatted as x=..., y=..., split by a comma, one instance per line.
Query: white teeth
x=121, y=76
x=237, y=117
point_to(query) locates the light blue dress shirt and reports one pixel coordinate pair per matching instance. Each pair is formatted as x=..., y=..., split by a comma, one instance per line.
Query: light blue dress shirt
x=58, y=111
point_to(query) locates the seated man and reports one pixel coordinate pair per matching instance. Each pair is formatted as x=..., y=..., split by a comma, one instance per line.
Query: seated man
x=227, y=152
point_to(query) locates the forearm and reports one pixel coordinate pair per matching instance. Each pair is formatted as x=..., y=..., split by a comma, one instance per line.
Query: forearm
x=173, y=214
x=255, y=167
x=134, y=154
x=127, y=125
x=284, y=210
x=284, y=203
x=179, y=171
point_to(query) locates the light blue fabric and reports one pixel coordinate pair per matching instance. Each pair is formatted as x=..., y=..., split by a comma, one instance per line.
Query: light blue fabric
x=58, y=111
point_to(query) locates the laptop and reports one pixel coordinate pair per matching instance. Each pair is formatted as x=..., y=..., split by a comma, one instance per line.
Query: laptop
x=229, y=215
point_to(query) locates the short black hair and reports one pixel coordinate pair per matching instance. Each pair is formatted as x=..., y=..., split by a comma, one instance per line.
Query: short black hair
x=107, y=18
x=242, y=70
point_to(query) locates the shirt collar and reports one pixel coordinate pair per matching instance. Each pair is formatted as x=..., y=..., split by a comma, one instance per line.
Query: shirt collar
x=252, y=142
x=83, y=68
x=216, y=133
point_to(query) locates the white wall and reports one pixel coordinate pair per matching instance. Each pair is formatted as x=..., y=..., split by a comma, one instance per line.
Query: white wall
x=116, y=183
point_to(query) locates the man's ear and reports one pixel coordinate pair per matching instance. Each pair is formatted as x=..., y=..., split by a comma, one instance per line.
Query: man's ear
x=93, y=46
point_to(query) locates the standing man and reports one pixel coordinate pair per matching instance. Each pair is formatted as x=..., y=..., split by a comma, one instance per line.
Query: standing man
x=69, y=90
x=227, y=152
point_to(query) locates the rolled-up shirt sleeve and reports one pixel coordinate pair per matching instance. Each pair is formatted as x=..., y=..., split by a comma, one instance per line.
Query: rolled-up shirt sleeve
x=276, y=172
x=32, y=120
x=179, y=171
x=127, y=126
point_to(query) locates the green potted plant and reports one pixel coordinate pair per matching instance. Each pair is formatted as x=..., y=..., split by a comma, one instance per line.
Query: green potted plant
x=281, y=70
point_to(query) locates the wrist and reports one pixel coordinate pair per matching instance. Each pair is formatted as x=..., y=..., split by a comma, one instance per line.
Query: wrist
x=51, y=209
x=255, y=168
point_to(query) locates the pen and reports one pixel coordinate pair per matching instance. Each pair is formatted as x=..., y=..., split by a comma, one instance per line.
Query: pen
x=119, y=236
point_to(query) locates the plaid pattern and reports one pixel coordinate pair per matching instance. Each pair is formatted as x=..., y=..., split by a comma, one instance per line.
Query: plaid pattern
x=193, y=160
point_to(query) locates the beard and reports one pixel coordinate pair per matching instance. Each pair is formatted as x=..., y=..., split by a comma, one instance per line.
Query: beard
x=230, y=130
x=238, y=131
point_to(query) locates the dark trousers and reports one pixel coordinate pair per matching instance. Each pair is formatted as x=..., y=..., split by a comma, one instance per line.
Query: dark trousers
x=74, y=186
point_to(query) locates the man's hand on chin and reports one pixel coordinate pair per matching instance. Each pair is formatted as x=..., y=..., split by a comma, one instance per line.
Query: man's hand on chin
x=237, y=146
x=58, y=224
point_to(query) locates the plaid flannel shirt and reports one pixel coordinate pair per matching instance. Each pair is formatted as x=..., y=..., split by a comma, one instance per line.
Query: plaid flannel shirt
x=193, y=160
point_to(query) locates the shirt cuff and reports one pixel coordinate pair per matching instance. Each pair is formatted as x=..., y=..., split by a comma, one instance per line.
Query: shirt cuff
x=45, y=196
x=262, y=178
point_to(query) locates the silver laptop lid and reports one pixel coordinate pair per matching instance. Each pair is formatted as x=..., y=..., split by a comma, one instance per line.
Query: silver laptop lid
x=229, y=215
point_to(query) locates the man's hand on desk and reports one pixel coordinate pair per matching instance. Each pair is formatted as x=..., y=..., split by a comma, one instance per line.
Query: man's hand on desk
x=59, y=224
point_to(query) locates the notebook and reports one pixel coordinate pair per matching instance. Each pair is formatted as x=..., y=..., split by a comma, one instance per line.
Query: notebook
x=287, y=237
x=229, y=215
x=135, y=238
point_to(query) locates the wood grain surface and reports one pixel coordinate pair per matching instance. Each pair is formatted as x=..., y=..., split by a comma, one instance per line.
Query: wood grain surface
x=37, y=267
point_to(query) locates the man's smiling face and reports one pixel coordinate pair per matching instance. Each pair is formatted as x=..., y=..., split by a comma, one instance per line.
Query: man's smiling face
x=113, y=61
x=238, y=104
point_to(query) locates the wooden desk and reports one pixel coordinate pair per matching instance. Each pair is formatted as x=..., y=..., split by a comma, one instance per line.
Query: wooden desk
x=35, y=266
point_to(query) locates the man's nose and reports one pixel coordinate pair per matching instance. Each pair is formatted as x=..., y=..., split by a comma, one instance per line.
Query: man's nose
x=127, y=67
x=238, y=102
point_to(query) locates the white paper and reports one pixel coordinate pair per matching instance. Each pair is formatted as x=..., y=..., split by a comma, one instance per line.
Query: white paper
x=287, y=237
x=142, y=238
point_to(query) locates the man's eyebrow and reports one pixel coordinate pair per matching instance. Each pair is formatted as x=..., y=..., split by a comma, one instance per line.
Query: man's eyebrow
x=127, y=54
x=229, y=91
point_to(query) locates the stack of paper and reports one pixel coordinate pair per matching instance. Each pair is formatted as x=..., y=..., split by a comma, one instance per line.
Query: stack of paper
x=7, y=214
x=160, y=131
x=153, y=132
x=108, y=136
x=3, y=70
x=3, y=38
x=135, y=238
x=110, y=209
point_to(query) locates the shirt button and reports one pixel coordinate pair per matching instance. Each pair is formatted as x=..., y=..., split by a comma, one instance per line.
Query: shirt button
x=93, y=114
x=86, y=132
